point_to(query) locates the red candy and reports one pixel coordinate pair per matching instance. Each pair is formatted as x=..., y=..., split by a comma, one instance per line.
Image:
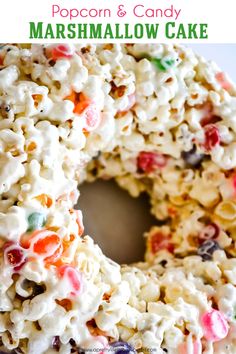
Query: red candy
x=160, y=241
x=215, y=326
x=151, y=161
x=212, y=136
x=14, y=255
x=209, y=232
x=61, y=51
x=74, y=278
x=220, y=77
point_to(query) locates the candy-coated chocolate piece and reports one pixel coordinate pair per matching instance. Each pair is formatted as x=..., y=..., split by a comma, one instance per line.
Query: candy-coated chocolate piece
x=150, y=161
x=160, y=241
x=207, y=248
x=92, y=117
x=163, y=64
x=14, y=255
x=212, y=136
x=61, y=51
x=192, y=158
x=122, y=348
x=209, y=232
x=215, y=326
x=43, y=243
x=36, y=221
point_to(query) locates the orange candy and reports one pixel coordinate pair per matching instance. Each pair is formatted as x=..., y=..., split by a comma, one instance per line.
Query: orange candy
x=62, y=260
x=44, y=243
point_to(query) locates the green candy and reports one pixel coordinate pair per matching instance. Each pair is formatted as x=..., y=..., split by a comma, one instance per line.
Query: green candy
x=36, y=221
x=163, y=64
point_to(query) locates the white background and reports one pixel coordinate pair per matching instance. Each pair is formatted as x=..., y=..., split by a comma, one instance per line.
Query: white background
x=220, y=15
x=223, y=54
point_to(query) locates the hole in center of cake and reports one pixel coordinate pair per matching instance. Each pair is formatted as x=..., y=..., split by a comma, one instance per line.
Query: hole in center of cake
x=115, y=220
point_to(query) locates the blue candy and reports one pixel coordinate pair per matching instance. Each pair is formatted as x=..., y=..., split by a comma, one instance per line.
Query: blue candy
x=207, y=248
x=36, y=221
x=192, y=158
x=122, y=348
